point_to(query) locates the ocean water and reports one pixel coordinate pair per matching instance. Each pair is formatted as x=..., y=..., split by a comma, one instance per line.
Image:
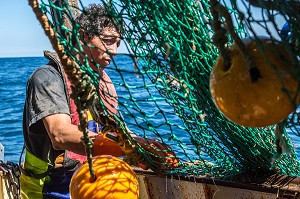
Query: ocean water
x=15, y=72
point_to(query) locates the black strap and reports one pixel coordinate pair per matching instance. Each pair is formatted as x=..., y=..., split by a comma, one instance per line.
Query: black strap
x=27, y=172
x=21, y=155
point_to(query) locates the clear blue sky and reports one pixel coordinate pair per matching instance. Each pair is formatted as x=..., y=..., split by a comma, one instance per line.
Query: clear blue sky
x=21, y=34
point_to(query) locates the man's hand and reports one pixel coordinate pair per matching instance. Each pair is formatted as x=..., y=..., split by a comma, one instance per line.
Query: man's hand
x=104, y=146
x=163, y=158
x=161, y=154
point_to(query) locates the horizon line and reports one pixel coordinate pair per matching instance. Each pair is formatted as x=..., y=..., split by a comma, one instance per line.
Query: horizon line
x=40, y=56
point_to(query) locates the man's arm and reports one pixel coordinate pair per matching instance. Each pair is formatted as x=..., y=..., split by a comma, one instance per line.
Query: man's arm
x=66, y=136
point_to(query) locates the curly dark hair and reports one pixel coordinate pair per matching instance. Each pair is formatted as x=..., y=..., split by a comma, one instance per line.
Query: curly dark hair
x=94, y=19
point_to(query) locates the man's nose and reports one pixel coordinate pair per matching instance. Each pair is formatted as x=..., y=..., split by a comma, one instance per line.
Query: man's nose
x=113, y=50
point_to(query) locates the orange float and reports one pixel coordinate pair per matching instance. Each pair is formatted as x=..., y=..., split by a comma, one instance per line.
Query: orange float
x=260, y=103
x=103, y=146
x=115, y=179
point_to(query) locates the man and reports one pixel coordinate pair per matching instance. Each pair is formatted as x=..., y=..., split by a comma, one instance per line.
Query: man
x=54, y=148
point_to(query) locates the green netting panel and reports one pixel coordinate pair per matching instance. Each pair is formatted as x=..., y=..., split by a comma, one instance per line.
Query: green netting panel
x=172, y=48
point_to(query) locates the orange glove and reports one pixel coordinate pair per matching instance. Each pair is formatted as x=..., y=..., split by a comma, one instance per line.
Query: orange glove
x=104, y=146
x=161, y=153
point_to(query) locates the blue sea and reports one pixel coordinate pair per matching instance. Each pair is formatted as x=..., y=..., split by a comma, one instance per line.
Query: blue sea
x=15, y=72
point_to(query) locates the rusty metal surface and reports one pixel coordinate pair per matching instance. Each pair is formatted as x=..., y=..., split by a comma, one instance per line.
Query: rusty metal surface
x=155, y=187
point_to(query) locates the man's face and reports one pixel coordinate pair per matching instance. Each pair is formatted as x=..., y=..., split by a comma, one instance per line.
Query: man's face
x=101, y=48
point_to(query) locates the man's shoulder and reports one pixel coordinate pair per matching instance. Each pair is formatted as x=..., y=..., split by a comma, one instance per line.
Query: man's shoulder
x=45, y=72
x=46, y=68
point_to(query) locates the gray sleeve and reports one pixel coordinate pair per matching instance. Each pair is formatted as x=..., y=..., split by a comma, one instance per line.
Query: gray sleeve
x=46, y=94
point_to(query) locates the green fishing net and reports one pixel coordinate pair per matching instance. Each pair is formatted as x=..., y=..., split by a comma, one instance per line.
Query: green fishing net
x=164, y=90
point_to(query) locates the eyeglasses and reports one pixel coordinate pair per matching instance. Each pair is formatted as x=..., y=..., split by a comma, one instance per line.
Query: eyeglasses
x=110, y=40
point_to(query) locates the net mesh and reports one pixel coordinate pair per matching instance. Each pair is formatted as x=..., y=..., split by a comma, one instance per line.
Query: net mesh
x=163, y=82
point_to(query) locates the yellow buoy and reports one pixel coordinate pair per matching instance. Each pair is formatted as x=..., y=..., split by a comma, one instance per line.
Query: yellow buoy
x=115, y=179
x=263, y=102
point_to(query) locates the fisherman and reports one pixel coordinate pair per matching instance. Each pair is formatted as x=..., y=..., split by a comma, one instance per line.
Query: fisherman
x=52, y=139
